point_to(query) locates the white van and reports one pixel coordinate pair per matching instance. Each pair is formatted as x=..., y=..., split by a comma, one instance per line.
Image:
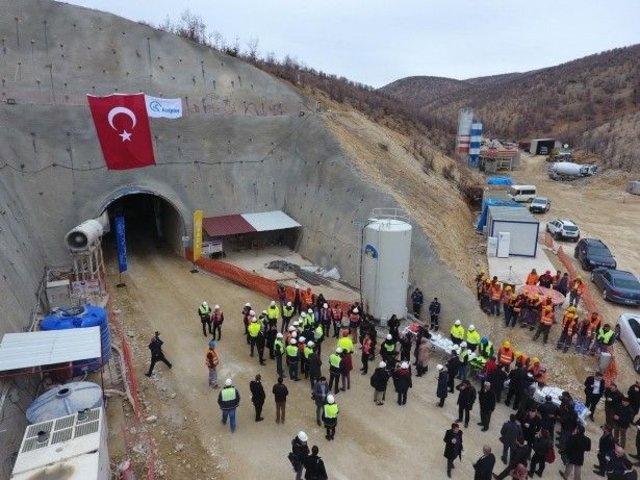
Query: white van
x=522, y=193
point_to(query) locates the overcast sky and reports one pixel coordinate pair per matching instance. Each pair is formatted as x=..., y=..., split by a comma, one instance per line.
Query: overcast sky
x=376, y=41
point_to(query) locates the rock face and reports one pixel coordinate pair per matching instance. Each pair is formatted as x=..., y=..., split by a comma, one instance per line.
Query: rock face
x=247, y=143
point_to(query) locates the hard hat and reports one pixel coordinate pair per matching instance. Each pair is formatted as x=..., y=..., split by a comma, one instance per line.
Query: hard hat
x=264, y=312
x=579, y=278
x=205, y=304
x=278, y=335
x=484, y=340
x=254, y=319
x=517, y=354
x=507, y=288
x=330, y=399
x=310, y=343
x=273, y=303
x=389, y=336
x=457, y=322
x=252, y=313
x=228, y=382
x=536, y=296
x=325, y=305
x=439, y=367
x=463, y=344
x=472, y=328
x=247, y=304
x=212, y=343
x=404, y=365
x=506, y=344
x=338, y=350
x=302, y=339
x=291, y=328
x=302, y=436
x=217, y=307
x=288, y=304
x=535, y=360
x=548, y=308
x=382, y=365
x=295, y=324
x=355, y=310
x=294, y=334
x=292, y=341
x=571, y=309
x=310, y=310
x=549, y=295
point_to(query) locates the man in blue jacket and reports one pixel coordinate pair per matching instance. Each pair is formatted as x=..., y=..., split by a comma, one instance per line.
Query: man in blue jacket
x=229, y=399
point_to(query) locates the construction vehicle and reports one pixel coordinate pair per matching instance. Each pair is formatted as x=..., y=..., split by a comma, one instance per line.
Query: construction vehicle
x=570, y=171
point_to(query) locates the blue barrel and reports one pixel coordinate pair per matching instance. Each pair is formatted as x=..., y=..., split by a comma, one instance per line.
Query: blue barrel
x=62, y=400
x=82, y=317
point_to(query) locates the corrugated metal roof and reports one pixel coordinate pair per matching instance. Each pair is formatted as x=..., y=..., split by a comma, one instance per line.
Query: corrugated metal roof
x=226, y=225
x=267, y=221
x=511, y=213
x=32, y=349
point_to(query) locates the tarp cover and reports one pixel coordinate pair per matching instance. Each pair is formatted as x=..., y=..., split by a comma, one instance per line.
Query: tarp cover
x=500, y=181
x=33, y=349
x=238, y=224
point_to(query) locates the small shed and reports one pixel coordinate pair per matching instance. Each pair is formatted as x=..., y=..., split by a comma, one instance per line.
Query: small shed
x=517, y=221
x=542, y=146
x=634, y=187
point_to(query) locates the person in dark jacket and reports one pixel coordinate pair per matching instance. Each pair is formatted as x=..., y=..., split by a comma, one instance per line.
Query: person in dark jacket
x=434, y=312
x=155, y=346
x=417, y=299
x=563, y=284
x=452, y=446
x=402, y=382
x=542, y=443
x=519, y=456
x=487, y=400
x=622, y=418
x=612, y=398
x=606, y=446
x=634, y=397
x=577, y=445
x=509, y=433
x=320, y=392
x=530, y=422
x=517, y=382
x=453, y=368
x=314, y=366
x=314, y=466
x=593, y=390
x=257, y=396
x=466, y=399
x=393, y=324
x=619, y=466
x=228, y=400
x=442, y=388
x=379, y=381
x=497, y=379
x=299, y=453
x=568, y=419
x=549, y=413
x=280, y=392
x=483, y=467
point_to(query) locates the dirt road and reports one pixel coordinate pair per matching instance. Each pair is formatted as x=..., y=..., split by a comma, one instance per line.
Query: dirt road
x=371, y=442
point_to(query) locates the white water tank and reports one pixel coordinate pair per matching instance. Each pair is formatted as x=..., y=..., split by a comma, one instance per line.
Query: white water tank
x=385, y=267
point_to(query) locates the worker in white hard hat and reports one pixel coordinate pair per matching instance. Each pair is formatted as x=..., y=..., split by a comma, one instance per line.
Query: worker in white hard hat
x=256, y=338
x=473, y=338
x=229, y=399
x=355, y=318
x=217, y=318
x=273, y=312
x=204, y=312
x=336, y=317
x=402, y=382
x=287, y=314
x=330, y=417
x=324, y=317
x=293, y=355
x=379, y=381
x=457, y=332
x=442, y=388
x=463, y=356
x=388, y=351
x=299, y=453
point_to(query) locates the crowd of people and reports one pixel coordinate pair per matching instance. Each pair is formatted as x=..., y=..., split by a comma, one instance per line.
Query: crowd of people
x=294, y=336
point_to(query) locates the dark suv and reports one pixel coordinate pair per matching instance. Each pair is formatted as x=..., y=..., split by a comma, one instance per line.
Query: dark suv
x=592, y=253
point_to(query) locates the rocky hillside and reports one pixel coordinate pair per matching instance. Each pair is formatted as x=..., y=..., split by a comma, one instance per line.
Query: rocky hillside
x=572, y=101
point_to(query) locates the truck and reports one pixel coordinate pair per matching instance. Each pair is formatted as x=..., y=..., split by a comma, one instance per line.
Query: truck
x=570, y=171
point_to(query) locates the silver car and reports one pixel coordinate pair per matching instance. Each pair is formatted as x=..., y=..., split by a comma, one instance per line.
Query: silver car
x=628, y=332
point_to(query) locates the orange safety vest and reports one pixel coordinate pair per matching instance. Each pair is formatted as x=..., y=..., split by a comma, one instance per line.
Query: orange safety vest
x=547, y=317
x=532, y=279
x=594, y=323
x=578, y=287
x=522, y=359
x=495, y=291
x=506, y=299
x=307, y=297
x=336, y=314
x=505, y=356
x=568, y=323
x=535, y=369
x=211, y=359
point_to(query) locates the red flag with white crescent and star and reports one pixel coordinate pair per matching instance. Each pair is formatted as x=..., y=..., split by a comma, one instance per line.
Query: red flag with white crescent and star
x=123, y=129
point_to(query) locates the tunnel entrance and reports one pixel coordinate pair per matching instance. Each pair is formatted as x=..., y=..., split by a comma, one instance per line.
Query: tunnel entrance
x=151, y=222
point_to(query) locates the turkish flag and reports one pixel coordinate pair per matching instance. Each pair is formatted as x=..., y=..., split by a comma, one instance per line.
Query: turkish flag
x=123, y=129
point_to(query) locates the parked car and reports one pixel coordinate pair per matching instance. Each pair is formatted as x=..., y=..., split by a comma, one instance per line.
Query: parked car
x=617, y=286
x=563, y=229
x=540, y=205
x=628, y=332
x=592, y=253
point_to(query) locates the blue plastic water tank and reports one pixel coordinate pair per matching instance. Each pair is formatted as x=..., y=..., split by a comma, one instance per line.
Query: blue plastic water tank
x=64, y=400
x=82, y=317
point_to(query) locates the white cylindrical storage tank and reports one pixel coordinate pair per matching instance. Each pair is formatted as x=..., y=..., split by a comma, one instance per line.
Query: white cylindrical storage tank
x=385, y=267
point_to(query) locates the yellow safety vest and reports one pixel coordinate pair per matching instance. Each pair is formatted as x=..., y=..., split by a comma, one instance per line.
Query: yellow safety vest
x=278, y=346
x=457, y=331
x=254, y=329
x=334, y=360
x=331, y=410
x=292, y=351
x=287, y=312
x=463, y=355
x=473, y=338
x=318, y=333
x=307, y=351
x=346, y=344
x=604, y=337
x=389, y=346
x=228, y=393
x=273, y=312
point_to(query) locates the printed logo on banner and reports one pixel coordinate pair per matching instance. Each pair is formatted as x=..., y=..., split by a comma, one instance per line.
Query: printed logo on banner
x=370, y=251
x=163, y=107
x=121, y=244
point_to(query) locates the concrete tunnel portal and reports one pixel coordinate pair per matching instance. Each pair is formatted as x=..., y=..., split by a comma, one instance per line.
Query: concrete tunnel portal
x=151, y=221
